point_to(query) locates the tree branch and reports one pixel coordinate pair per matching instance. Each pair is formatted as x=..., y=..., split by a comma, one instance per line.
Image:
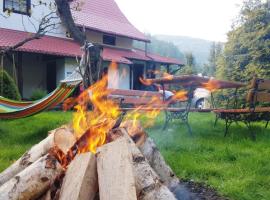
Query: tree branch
x=43, y=28
x=63, y=9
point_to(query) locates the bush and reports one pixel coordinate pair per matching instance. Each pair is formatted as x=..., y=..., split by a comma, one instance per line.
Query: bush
x=8, y=87
x=38, y=94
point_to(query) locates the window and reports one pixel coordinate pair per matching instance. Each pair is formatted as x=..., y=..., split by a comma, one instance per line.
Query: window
x=110, y=40
x=17, y=6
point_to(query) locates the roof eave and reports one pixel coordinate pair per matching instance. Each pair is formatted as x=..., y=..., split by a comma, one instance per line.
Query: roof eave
x=117, y=34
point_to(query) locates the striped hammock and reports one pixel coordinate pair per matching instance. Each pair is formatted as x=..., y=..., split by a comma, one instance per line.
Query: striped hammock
x=10, y=109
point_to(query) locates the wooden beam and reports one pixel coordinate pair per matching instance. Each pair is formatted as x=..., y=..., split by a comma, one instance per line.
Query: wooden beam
x=80, y=182
x=148, y=183
x=115, y=175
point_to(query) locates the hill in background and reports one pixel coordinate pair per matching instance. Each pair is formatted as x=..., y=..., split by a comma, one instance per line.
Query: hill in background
x=161, y=47
x=200, y=48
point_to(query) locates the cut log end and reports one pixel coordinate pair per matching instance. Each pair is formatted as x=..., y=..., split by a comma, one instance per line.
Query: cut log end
x=80, y=182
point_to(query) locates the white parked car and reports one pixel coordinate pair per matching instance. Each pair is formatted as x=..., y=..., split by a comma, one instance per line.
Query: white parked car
x=200, y=98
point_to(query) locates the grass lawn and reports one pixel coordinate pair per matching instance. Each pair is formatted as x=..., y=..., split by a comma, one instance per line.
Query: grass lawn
x=17, y=136
x=235, y=166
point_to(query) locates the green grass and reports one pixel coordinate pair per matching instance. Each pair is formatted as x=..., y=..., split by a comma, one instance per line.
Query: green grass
x=17, y=136
x=235, y=166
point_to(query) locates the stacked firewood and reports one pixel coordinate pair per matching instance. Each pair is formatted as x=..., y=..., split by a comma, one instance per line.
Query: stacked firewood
x=128, y=166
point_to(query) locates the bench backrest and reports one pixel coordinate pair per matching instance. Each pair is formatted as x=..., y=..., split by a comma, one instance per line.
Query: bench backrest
x=259, y=92
x=134, y=97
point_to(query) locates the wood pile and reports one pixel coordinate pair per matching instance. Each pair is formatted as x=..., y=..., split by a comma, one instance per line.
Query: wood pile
x=128, y=167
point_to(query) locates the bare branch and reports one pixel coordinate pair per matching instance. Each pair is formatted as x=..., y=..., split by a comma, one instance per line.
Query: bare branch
x=45, y=25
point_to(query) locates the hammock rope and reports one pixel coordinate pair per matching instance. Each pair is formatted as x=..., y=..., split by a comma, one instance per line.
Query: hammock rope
x=2, y=72
x=14, y=70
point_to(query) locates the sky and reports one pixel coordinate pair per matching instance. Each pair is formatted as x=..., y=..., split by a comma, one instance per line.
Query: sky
x=206, y=19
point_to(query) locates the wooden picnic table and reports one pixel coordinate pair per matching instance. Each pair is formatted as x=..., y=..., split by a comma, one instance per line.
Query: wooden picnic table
x=195, y=81
x=191, y=82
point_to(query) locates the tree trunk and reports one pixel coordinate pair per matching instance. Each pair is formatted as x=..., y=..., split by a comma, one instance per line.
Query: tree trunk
x=64, y=12
x=115, y=175
x=80, y=182
x=32, y=182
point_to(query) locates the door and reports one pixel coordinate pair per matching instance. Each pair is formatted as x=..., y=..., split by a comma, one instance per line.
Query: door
x=138, y=71
x=51, y=76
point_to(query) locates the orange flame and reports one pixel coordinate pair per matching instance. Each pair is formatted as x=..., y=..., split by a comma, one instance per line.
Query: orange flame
x=180, y=96
x=91, y=126
x=167, y=76
x=212, y=85
x=146, y=81
x=100, y=119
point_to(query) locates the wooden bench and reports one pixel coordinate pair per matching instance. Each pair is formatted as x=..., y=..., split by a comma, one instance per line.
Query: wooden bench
x=258, y=107
x=130, y=99
x=133, y=98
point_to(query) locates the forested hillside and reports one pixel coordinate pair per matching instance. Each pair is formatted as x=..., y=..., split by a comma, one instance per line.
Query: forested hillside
x=198, y=47
x=161, y=47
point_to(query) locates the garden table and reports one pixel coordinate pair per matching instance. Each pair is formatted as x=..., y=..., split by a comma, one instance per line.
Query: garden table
x=191, y=82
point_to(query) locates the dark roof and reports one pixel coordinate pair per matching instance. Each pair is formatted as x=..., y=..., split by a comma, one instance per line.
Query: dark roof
x=104, y=16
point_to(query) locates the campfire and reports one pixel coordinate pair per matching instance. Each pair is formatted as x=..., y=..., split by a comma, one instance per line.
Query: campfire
x=102, y=155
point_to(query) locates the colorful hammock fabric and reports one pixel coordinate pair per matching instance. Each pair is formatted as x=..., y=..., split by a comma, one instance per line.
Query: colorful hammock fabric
x=10, y=109
x=13, y=103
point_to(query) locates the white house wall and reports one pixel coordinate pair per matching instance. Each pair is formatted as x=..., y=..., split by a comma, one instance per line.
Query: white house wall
x=124, y=42
x=24, y=23
x=97, y=37
x=119, y=78
x=70, y=65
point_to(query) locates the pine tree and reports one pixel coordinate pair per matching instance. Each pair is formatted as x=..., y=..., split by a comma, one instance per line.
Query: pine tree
x=247, y=52
x=8, y=87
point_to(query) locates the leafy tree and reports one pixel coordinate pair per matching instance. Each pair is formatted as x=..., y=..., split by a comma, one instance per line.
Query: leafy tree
x=247, y=52
x=8, y=87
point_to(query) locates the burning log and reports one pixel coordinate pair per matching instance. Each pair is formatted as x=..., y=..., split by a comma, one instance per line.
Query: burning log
x=61, y=137
x=80, y=182
x=115, y=175
x=32, y=182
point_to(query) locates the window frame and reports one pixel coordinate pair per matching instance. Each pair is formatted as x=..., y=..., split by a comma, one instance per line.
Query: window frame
x=28, y=8
x=111, y=37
